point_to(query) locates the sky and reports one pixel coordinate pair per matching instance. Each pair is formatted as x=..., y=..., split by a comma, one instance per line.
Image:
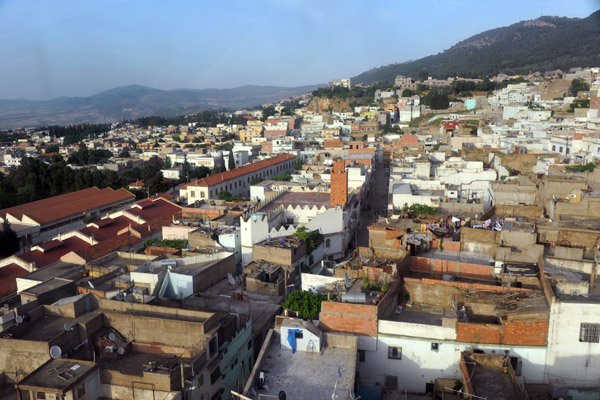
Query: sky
x=81, y=47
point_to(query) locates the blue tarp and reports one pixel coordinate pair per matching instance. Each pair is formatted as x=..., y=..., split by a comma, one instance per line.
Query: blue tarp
x=292, y=338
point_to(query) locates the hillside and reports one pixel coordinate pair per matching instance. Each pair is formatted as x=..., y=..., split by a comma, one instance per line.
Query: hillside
x=134, y=101
x=546, y=43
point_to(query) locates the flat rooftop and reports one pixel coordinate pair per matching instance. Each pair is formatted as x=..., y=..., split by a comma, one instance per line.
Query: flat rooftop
x=136, y=363
x=221, y=297
x=462, y=256
x=306, y=375
x=299, y=199
x=58, y=269
x=419, y=314
x=490, y=382
x=59, y=374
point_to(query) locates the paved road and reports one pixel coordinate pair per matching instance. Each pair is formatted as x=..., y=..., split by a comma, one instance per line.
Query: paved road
x=378, y=198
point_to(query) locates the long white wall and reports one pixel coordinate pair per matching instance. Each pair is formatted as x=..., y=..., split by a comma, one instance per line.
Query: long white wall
x=420, y=364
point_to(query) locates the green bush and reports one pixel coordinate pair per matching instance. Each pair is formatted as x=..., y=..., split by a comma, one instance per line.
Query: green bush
x=305, y=303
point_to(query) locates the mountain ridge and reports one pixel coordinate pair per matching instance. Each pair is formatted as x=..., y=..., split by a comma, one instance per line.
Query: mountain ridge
x=545, y=43
x=134, y=101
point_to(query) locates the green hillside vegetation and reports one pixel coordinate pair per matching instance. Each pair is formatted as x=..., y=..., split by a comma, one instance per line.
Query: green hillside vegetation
x=545, y=44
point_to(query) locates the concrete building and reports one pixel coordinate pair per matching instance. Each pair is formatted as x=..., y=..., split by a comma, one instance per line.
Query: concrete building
x=237, y=181
x=34, y=222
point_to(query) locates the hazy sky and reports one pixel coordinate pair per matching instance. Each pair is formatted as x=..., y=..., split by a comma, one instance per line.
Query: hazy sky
x=78, y=48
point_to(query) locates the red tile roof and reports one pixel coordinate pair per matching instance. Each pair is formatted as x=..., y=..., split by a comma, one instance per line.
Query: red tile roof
x=237, y=172
x=151, y=209
x=108, y=231
x=123, y=241
x=70, y=204
x=8, y=278
x=55, y=250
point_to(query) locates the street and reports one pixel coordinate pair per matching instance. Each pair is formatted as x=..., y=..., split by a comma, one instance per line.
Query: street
x=378, y=198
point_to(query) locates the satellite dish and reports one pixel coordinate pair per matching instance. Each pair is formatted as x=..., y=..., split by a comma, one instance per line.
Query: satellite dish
x=346, y=280
x=121, y=350
x=363, y=258
x=230, y=278
x=19, y=319
x=55, y=352
x=67, y=327
x=90, y=284
x=5, y=306
x=337, y=287
x=112, y=337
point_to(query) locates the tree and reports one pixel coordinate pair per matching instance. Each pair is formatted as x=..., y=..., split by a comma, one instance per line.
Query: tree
x=52, y=148
x=9, y=242
x=578, y=85
x=124, y=154
x=305, y=303
x=267, y=112
x=231, y=163
x=407, y=93
x=152, y=177
x=298, y=164
x=309, y=237
x=185, y=170
x=168, y=163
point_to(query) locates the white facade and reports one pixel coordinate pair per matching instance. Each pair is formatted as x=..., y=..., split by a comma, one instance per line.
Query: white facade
x=572, y=356
x=416, y=362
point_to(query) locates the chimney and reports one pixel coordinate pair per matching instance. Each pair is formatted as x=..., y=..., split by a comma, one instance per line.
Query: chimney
x=339, y=184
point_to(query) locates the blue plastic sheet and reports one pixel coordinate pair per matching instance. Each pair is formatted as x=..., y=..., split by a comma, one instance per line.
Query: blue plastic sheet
x=292, y=338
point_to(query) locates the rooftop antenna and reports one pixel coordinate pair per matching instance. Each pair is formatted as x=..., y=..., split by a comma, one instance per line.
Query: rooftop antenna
x=55, y=352
x=346, y=280
x=337, y=287
x=230, y=278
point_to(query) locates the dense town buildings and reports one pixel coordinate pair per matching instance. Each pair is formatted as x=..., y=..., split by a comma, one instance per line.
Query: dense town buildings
x=447, y=252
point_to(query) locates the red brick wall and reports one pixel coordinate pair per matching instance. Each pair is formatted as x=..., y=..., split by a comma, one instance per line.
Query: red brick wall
x=447, y=245
x=529, y=333
x=339, y=184
x=358, y=319
x=479, y=333
x=424, y=264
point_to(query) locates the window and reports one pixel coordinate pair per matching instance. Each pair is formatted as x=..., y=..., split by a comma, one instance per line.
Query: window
x=361, y=356
x=192, y=194
x=395, y=353
x=560, y=149
x=249, y=345
x=328, y=243
x=40, y=396
x=429, y=387
x=202, y=194
x=81, y=391
x=391, y=382
x=589, y=333
x=435, y=346
x=553, y=147
x=215, y=375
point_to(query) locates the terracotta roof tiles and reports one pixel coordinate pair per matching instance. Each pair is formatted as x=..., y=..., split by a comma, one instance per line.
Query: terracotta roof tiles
x=237, y=172
x=69, y=204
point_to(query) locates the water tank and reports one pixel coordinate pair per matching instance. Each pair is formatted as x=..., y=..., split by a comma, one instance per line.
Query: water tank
x=354, y=297
x=168, y=263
